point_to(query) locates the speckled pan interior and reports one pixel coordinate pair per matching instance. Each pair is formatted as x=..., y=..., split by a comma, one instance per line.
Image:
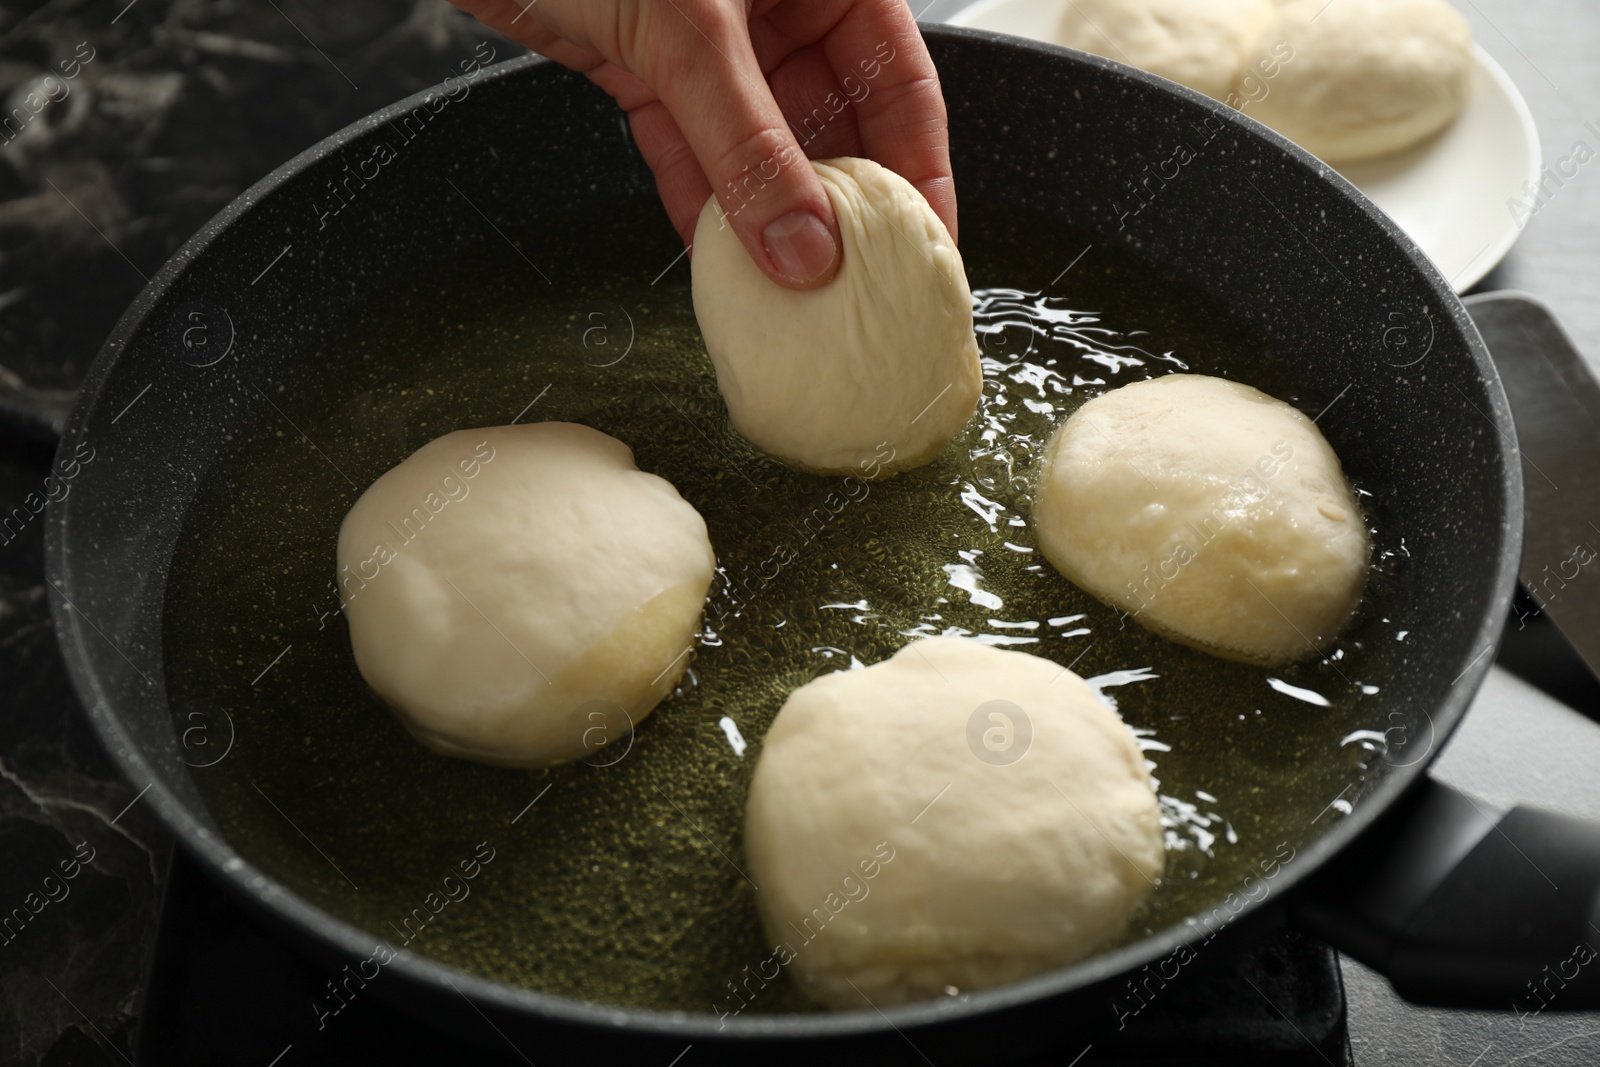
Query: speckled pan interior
x=1348, y=305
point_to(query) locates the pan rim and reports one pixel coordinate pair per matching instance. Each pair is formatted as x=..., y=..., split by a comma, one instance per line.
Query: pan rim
x=222, y=863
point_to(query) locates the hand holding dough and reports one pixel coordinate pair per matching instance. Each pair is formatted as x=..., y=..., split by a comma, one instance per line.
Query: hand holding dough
x=957, y=815
x=883, y=355
x=522, y=595
x=1211, y=512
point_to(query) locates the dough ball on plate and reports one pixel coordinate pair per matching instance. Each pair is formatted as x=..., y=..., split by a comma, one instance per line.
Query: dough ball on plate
x=1211, y=512
x=522, y=595
x=876, y=369
x=1368, y=77
x=1204, y=44
x=956, y=815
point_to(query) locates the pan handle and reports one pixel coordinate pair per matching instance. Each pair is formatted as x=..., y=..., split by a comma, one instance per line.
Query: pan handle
x=1461, y=911
x=29, y=415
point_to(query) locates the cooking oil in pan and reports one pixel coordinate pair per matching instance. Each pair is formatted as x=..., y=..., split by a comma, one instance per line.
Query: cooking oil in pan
x=622, y=880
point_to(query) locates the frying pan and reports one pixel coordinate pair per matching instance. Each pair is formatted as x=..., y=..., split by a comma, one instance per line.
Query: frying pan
x=1409, y=876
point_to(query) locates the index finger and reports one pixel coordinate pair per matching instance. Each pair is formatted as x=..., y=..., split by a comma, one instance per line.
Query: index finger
x=901, y=115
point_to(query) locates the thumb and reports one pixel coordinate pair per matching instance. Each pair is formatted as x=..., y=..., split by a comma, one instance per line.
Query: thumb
x=767, y=190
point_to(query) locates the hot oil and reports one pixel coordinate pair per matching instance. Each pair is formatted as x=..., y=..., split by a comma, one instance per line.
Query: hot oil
x=622, y=880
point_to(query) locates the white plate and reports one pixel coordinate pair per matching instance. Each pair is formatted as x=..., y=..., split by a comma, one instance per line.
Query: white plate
x=1453, y=195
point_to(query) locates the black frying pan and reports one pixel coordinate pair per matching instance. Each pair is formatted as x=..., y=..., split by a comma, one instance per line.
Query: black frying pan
x=1252, y=222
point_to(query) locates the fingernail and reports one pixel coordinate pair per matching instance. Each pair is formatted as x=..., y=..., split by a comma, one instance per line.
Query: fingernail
x=800, y=246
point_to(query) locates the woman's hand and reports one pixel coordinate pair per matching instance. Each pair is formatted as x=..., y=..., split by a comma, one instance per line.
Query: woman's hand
x=731, y=97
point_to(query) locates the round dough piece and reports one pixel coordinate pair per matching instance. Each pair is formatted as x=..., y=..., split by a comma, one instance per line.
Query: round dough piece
x=1204, y=44
x=1368, y=77
x=522, y=595
x=875, y=371
x=957, y=815
x=1211, y=512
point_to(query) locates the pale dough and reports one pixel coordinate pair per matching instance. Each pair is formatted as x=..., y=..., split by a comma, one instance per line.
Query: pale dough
x=521, y=595
x=1211, y=512
x=1203, y=44
x=880, y=362
x=892, y=861
x=1368, y=77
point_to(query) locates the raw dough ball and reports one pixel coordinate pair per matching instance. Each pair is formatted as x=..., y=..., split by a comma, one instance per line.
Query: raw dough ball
x=522, y=595
x=910, y=830
x=1204, y=44
x=1368, y=77
x=1213, y=513
x=878, y=368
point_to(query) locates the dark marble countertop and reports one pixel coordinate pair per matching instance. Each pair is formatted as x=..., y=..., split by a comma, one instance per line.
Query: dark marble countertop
x=162, y=113
x=159, y=113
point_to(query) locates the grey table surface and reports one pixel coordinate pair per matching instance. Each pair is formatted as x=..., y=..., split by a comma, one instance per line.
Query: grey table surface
x=1516, y=745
